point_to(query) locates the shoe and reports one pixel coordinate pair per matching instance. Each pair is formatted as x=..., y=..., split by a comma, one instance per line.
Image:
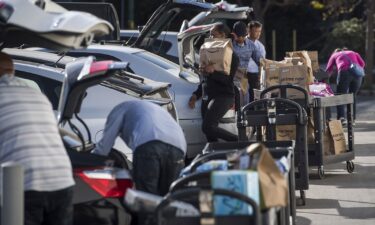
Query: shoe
x=344, y=122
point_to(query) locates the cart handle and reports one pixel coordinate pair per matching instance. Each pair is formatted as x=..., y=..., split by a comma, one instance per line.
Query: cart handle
x=283, y=88
x=302, y=115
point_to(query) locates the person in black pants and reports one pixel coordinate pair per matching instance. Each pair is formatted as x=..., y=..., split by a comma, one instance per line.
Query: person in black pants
x=219, y=88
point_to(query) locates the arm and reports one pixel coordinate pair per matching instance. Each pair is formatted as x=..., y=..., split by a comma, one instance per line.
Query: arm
x=256, y=53
x=197, y=94
x=361, y=62
x=331, y=60
x=112, y=129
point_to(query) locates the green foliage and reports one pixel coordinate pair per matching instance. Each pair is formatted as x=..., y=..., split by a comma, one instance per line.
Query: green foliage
x=348, y=33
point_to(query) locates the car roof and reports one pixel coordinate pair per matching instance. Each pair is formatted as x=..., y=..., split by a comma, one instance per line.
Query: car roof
x=39, y=57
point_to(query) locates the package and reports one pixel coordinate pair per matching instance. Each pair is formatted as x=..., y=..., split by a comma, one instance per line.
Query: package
x=306, y=60
x=320, y=90
x=241, y=79
x=270, y=72
x=314, y=60
x=289, y=71
x=139, y=201
x=288, y=132
x=338, y=136
x=244, y=182
x=273, y=185
x=285, y=132
x=328, y=148
x=213, y=165
x=295, y=75
x=217, y=52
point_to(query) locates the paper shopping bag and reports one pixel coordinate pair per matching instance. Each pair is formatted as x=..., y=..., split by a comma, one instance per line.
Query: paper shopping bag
x=338, y=136
x=273, y=185
x=217, y=52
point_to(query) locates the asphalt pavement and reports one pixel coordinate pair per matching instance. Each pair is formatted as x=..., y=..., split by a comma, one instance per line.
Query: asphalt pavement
x=342, y=198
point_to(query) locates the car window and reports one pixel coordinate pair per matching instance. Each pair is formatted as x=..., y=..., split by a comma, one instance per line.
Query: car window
x=51, y=88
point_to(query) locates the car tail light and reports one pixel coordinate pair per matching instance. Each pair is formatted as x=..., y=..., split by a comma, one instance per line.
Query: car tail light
x=108, y=182
x=101, y=66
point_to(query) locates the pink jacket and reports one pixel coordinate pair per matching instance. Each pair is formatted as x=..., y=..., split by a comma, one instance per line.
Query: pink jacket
x=341, y=62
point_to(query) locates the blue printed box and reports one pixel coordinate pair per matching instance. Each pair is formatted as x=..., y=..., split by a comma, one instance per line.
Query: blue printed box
x=244, y=182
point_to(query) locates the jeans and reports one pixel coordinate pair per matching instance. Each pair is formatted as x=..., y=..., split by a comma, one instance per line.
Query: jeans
x=155, y=166
x=49, y=207
x=254, y=83
x=217, y=107
x=347, y=83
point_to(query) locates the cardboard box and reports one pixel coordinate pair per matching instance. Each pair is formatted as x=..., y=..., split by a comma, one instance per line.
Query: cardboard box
x=285, y=72
x=244, y=182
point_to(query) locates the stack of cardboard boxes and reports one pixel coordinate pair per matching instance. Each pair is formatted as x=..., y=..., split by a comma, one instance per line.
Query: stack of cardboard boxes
x=298, y=69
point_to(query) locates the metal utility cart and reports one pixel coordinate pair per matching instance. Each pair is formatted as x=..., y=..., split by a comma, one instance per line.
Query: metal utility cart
x=278, y=111
x=316, y=150
x=220, y=150
x=319, y=108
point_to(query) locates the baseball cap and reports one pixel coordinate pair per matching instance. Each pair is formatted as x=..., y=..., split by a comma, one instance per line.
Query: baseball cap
x=239, y=28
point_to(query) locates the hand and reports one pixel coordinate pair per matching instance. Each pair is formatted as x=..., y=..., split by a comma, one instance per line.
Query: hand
x=192, y=101
x=209, y=69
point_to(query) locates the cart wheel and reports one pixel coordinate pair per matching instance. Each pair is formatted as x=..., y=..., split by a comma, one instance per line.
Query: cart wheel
x=321, y=173
x=303, y=197
x=350, y=166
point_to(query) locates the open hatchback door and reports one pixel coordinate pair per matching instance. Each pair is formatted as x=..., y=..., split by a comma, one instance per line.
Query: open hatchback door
x=163, y=16
x=47, y=25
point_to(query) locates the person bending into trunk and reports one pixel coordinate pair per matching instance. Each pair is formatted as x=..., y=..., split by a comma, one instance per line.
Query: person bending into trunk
x=156, y=139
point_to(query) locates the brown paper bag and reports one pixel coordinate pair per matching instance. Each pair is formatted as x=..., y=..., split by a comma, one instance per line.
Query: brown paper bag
x=306, y=60
x=273, y=185
x=217, y=52
x=314, y=60
x=295, y=75
x=328, y=147
x=270, y=72
x=338, y=136
x=241, y=77
x=285, y=132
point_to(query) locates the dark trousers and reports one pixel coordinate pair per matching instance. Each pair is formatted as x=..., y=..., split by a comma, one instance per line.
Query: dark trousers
x=347, y=83
x=217, y=107
x=155, y=166
x=254, y=83
x=49, y=208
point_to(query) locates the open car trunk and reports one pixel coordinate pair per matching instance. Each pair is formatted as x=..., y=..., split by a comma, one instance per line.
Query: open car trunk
x=54, y=29
x=163, y=16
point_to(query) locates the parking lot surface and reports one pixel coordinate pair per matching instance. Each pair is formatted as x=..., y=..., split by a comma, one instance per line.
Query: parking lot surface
x=343, y=198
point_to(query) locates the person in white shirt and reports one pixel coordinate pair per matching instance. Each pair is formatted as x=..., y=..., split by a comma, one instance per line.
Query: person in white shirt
x=254, y=32
x=156, y=139
x=29, y=136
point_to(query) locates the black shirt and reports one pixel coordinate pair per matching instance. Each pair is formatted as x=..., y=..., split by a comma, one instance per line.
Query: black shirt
x=218, y=83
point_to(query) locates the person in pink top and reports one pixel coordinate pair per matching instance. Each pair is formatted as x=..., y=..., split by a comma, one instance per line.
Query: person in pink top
x=347, y=82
